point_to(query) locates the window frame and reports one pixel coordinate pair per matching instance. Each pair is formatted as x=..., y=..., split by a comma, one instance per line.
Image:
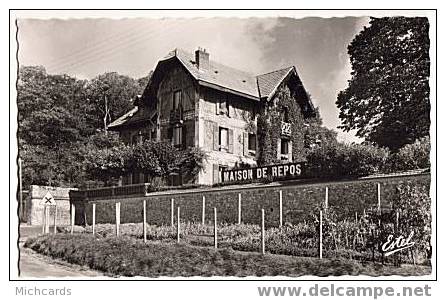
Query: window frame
x=282, y=140
x=250, y=136
x=221, y=146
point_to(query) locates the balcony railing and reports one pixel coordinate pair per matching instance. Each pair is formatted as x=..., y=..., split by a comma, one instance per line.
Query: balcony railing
x=176, y=116
x=286, y=128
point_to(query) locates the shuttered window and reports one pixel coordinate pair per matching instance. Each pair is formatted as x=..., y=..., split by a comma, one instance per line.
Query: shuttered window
x=252, y=142
x=223, y=139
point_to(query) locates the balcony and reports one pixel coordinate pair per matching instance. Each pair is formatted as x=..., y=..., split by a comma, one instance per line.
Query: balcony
x=286, y=129
x=176, y=116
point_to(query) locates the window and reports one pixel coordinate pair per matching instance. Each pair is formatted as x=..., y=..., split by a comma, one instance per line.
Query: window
x=252, y=140
x=223, y=106
x=284, y=147
x=177, y=136
x=223, y=138
x=177, y=100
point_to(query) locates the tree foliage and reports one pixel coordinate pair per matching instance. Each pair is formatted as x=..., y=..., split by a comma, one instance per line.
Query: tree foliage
x=60, y=121
x=158, y=159
x=387, y=98
x=346, y=160
x=110, y=95
x=411, y=156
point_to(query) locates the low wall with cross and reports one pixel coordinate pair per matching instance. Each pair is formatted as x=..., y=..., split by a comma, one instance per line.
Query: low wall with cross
x=35, y=205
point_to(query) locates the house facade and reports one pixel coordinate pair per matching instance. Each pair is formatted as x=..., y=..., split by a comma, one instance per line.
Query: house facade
x=193, y=101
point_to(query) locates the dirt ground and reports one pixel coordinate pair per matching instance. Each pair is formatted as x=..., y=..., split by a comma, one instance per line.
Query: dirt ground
x=34, y=265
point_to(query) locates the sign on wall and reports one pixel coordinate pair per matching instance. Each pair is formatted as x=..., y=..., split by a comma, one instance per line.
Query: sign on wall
x=273, y=172
x=48, y=199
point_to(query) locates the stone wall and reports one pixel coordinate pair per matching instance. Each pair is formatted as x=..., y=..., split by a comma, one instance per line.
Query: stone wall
x=299, y=201
x=35, y=205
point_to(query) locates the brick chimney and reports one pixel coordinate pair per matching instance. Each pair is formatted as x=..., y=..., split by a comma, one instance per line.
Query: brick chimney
x=202, y=59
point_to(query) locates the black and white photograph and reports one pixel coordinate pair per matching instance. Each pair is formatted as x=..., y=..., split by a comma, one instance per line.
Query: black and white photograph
x=224, y=145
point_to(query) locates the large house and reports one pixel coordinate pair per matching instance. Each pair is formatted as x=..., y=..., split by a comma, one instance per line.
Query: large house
x=194, y=101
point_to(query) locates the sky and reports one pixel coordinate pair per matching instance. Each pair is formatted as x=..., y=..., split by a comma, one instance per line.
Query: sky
x=85, y=48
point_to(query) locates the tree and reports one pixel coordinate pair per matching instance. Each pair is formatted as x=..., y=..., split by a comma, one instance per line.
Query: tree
x=110, y=95
x=51, y=121
x=317, y=135
x=387, y=98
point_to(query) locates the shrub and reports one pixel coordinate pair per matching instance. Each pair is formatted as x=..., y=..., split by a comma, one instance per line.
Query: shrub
x=411, y=156
x=125, y=256
x=414, y=206
x=156, y=158
x=341, y=160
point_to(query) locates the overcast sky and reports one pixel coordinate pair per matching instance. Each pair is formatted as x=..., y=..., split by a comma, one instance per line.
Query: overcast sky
x=87, y=47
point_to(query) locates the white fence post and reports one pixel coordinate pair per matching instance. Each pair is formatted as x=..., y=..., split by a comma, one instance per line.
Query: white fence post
x=55, y=219
x=280, y=209
x=93, y=218
x=43, y=218
x=203, y=211
x=144, y=221
x=239, y=218
x=263, y=231
x=73, y=214
x=379, y=196
x=178, y=224
x=47, y=219
x=326, y=197
x=118, y=217
x=215, y=228
x=320, y=234
x=172, y=207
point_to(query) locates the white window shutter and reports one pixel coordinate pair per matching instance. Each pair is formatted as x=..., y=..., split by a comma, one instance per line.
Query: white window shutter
x=230, y=141
x=245, y=143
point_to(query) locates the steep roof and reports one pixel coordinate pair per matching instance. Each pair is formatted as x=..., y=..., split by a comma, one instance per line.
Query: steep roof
x=269, y=82
x=124, y=118
x=218, y=74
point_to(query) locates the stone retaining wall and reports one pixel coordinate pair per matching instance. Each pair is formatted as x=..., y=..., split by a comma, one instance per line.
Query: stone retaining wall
x=299, y=201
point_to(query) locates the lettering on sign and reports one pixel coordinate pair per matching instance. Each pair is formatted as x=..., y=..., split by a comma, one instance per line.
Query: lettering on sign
x=275, y=172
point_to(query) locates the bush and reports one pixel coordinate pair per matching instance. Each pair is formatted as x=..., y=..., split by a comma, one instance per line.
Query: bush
x=411, y=156
x=342, y=160
x=158, y=159
x=126, y=256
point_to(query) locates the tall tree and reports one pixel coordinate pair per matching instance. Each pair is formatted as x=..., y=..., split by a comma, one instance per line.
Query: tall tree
x=387, y=99
x=110, y=95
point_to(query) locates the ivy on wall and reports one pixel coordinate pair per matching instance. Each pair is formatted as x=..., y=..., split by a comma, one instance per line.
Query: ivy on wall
x=269, y=127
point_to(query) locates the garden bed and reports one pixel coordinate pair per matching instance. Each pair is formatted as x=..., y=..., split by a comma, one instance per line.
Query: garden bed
x=296, y=240
x=126, y=256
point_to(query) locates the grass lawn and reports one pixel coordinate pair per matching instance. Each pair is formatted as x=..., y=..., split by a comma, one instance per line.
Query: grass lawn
x=126, y=256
